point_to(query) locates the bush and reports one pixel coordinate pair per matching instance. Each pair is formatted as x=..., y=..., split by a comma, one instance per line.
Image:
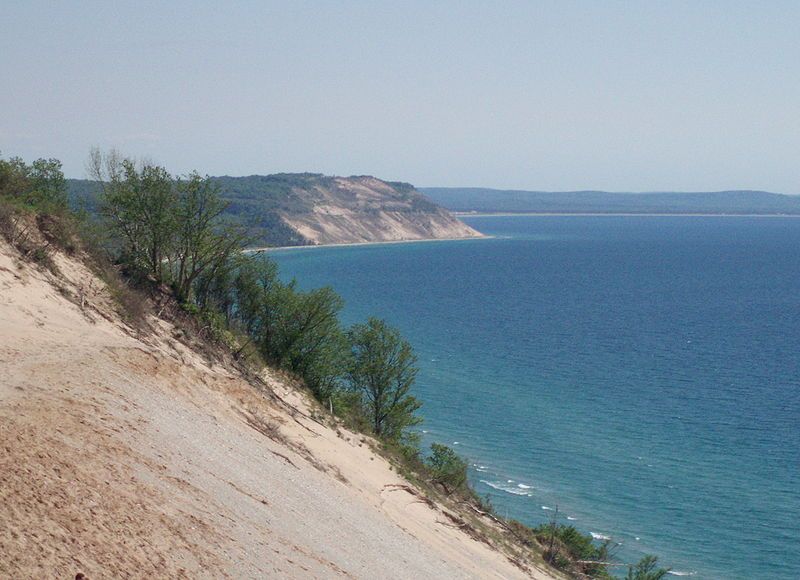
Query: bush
x=447, y=468
x=646, y=569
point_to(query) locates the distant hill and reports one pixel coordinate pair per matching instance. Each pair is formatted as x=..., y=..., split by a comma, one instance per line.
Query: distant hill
x=468, y=199
x=293, y=209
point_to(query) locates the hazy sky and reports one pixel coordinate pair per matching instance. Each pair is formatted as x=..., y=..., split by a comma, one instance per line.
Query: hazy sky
x=558, y=95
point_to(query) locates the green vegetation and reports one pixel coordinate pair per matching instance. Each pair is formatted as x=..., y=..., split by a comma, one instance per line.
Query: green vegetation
x=169, y=241
x=39, y=185
x=33, y=208
x=258, y=202
x=447, y=468
x=382, y=370
x=646, y=570
x=167, y=229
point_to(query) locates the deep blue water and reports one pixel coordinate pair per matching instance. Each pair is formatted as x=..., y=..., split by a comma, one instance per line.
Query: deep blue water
x=640, y=373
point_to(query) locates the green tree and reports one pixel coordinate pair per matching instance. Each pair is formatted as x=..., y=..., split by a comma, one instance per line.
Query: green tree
x=310, y=340
x=382, y=369
x=255, y=293
x=646, y=569
x=170, y=229
x=140, y=204
x=201, y=244
x=48, y=187
x=40, y=184
x=447, y=467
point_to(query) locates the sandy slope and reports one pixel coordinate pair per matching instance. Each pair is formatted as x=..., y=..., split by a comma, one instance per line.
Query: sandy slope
x=122, y=458
x=366, y=209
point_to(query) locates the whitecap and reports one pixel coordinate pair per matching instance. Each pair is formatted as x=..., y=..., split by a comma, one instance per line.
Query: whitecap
x=544, y=507
x=510, y=481
x=523, y=486
x=570, y=518
x=602, y=537
x=504, y=487
x=637, y=538
x=455, y=442
x=679, y=573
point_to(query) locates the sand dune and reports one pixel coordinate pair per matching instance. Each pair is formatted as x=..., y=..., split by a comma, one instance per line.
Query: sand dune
x=121, y=456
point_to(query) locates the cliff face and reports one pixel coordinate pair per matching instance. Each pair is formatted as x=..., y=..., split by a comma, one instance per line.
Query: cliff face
x=366, y=209
x=296, y=209
x=318, y=209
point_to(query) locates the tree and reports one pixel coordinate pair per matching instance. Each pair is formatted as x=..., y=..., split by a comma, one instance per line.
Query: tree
x=255, y=289
x=169, y=229
x=201, y=243
x=310, y=340
x=40, y=184
x=447, y=467
x=382, y=370
x=47, y=184
x=141, y=206
x=646, y=569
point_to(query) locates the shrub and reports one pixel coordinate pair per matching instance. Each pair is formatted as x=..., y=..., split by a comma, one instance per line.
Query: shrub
x=646, y=569
x=447, y=468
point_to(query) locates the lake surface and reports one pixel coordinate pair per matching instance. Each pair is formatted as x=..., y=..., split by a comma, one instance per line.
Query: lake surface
x=640, y=373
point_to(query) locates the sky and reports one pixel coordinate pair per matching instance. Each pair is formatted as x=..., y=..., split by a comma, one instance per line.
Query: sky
x=561, y=95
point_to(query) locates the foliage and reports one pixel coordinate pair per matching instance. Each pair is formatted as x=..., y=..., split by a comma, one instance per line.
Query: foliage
x=382, y=370
x=169, y=229
x=257, y=202
x=311, y=341
x=565, y=546
x=40, y=185
x=201, y=245
x=447, y=468
x=646, y=569
x=139, y=205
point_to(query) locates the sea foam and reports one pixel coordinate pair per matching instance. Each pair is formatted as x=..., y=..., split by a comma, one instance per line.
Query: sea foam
x=499, y=485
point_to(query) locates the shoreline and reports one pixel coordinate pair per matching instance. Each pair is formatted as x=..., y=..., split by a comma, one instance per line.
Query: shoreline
x=353, y=244
x=619, y=214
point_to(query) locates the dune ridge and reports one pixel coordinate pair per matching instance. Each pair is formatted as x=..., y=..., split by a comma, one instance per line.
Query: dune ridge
x=126, y=454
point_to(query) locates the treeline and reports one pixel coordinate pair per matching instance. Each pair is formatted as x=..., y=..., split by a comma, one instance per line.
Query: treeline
x=169, y=230
x=167, y=234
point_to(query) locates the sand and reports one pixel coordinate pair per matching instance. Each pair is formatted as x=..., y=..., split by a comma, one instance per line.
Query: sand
x=125, y=457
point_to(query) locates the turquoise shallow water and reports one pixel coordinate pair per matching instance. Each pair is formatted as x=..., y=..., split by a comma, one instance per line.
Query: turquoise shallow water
x=640, y=373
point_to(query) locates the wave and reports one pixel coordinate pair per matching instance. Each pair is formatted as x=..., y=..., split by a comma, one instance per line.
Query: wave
x=570, y=518
x=601, y=537
x=522, y=485
x=505, y=487
x=544, y=507
x=679, y=573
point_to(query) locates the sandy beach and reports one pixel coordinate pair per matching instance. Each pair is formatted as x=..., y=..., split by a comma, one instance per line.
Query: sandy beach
x=383, y=243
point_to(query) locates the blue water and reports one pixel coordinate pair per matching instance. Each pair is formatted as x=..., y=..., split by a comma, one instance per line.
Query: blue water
x=640, y=373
